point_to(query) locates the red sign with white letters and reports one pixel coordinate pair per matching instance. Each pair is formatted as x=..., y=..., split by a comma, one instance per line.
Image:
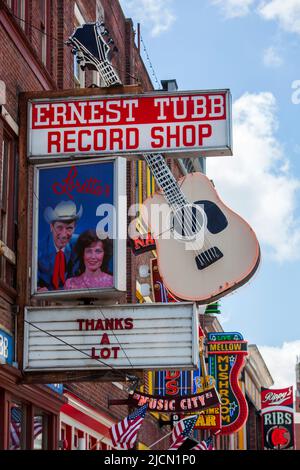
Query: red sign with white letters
x=276, y=397
x=125, y=124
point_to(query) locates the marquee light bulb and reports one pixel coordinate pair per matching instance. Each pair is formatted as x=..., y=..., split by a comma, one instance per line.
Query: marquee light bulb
x=144, y=270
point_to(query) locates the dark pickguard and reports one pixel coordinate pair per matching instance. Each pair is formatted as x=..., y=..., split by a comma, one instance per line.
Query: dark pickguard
x=216, y=220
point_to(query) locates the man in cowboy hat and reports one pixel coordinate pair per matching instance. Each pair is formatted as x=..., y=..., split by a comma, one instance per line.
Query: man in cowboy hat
x=56, y=257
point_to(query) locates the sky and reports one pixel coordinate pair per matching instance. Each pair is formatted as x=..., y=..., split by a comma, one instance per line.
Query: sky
x=252, y=48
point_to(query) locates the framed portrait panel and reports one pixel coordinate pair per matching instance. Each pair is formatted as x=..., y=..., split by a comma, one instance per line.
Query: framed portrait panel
x=79, y=228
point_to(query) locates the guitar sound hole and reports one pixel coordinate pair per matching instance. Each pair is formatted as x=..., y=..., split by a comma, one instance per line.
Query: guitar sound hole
x=188, y=221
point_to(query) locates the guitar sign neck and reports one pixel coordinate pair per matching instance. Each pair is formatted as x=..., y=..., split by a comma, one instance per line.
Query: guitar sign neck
x=165, y=179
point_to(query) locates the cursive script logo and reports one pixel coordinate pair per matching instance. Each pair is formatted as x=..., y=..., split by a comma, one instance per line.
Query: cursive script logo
x=70, y=184
x=277, y=398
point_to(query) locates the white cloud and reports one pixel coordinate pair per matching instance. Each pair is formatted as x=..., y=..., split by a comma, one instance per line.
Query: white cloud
x=256, y=182
x=281, y=362
x=234, y=8
x=272, y=58
x=156, y=15
x=287, y=12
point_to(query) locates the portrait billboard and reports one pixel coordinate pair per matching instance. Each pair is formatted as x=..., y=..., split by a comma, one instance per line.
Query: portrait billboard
x=79, y=209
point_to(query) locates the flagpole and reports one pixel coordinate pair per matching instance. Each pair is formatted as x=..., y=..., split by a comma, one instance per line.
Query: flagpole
x=161, y=439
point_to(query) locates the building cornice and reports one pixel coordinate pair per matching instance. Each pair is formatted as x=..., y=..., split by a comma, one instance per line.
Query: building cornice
x=263, y=370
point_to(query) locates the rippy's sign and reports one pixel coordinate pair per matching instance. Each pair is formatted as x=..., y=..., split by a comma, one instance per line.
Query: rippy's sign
x=226, y=353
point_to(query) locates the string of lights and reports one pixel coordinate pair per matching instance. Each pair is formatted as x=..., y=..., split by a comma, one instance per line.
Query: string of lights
x=79, y=350
x=150, y=63
x=64, y=43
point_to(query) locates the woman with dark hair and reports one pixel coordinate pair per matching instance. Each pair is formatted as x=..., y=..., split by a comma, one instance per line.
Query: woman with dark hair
x=94, y=255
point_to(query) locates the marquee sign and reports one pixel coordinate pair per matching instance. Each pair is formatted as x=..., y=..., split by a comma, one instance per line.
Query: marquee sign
x=172, y=382
x=226, y=355
x=277, y=418
x=184, y=123
x=142, y=336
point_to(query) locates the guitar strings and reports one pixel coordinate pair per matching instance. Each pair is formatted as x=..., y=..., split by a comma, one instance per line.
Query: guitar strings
x=61, y=41
x=150, y=159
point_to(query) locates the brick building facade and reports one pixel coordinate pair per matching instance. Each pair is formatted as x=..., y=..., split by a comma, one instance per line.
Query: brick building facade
x=34, y=57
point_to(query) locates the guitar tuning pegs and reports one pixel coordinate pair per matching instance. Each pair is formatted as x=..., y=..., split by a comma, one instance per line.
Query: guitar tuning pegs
x=110, y=41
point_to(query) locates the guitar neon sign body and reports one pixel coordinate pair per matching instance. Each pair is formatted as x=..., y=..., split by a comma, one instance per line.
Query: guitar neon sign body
x=226, y=257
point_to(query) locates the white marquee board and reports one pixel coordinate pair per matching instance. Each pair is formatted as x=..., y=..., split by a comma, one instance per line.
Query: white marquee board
x=142, y=336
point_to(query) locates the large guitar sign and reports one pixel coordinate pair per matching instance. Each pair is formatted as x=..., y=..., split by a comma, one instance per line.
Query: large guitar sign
x=93, y=51
x=204, y=249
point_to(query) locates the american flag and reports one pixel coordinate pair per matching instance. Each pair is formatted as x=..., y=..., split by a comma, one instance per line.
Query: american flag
x=181, y=431
x=15, y=427
x=124, y=433
x=207, y=444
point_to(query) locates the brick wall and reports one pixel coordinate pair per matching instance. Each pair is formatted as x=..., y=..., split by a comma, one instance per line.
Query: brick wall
x=23, y=70
x=253, y=429
x=297, y=435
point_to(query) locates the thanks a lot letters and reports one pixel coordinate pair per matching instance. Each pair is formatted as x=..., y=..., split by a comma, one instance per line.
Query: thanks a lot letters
x=128, y=124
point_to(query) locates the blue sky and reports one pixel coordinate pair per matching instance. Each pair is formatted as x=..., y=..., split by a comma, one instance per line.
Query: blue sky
x=251, y=47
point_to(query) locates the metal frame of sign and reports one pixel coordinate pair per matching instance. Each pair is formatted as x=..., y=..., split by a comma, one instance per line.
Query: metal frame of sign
x=279, y=409
x=219, y=346
x=119, y=243
x=178, y=152
x=63, y=338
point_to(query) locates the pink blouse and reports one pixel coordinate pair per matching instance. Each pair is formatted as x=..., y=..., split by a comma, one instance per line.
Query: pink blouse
x=86, y=282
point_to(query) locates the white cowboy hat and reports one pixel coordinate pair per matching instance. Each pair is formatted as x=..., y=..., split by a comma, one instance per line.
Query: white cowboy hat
x=64, y=211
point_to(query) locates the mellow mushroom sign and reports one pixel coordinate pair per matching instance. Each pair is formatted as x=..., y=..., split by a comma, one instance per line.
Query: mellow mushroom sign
x=154, y=336
x=193, y=121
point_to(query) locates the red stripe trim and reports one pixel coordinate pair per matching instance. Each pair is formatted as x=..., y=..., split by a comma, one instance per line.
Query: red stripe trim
x=228, y=342
x=228, y=353
x=82, y=418
x=91, y=407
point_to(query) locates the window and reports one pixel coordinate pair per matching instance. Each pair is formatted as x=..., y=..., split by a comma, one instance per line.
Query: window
x=97, y=79
x=40, y=430
x=79, y=74
x=19, y=10
x=8, y=208
x=17, y=423
x=44, y=31
x=99, y=11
